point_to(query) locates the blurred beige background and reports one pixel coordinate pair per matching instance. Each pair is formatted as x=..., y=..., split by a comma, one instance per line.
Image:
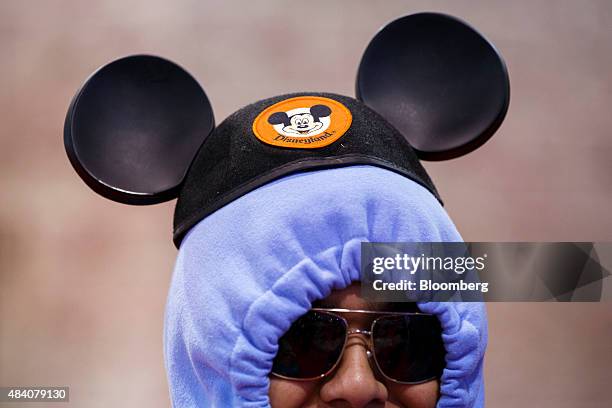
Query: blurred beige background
x=83, y=280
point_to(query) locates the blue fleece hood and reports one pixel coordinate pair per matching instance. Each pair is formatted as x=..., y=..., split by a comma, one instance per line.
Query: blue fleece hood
x=250, y=269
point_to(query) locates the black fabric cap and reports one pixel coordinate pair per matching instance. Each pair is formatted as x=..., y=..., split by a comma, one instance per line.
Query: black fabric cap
x=232, y=161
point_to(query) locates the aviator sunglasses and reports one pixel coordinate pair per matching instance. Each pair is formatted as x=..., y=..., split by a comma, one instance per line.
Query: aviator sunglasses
x=406, y=346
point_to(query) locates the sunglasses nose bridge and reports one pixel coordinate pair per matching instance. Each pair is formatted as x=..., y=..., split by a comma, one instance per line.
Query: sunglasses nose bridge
x=359, y=331
x=368, y=335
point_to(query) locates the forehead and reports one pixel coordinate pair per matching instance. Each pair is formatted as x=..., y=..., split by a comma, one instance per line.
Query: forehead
x=298, y=111
x=302, y=116
x=350, y=298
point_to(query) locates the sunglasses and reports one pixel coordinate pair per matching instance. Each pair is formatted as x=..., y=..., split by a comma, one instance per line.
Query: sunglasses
x=407, y=347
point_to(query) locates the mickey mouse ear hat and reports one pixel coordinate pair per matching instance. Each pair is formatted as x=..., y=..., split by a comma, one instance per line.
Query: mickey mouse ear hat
x=141, y=129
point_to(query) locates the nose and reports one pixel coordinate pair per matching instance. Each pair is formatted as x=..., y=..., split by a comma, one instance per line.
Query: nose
x=353, y=384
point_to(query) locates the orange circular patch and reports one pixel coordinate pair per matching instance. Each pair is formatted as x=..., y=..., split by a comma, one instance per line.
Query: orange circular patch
x=304, y=122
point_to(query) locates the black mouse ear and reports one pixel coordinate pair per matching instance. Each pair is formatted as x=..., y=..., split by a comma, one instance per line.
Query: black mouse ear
x=438, y=81
x=320, y=111
x=278, y=118
x=133, y=128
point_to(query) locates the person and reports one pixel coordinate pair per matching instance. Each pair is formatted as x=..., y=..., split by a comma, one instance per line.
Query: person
x=289, y=251
x=352, y=377
x=274, y=203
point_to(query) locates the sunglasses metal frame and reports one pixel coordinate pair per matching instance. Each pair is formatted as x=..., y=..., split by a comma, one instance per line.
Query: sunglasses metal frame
x=370, y=342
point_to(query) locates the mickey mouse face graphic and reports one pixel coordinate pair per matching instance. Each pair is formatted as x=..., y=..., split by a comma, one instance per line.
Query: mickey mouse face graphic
x=301, y=122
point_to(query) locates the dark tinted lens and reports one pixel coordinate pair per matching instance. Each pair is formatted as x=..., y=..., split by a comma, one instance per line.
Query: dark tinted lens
x=311, y=347
x=409, y=349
